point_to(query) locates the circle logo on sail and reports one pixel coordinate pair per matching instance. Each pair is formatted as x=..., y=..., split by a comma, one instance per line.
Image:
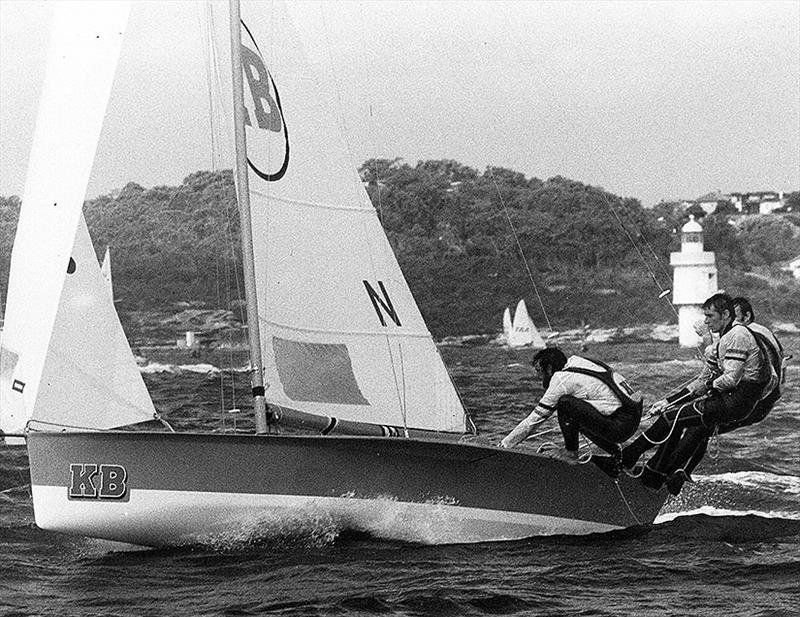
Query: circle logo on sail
x=265, y=126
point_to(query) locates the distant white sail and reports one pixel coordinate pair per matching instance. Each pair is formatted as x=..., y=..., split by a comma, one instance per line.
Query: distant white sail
x=523, y=330
x=87, y=38
x=341, y=333
x=507, y=325
x=105, y=268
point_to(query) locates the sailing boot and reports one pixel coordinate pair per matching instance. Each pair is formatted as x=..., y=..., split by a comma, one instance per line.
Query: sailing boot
x=652, y=478
x=610, y=465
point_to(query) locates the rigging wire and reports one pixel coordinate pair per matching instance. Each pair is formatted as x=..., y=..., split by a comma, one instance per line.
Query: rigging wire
x=605, y=197
x=371, y=122
x=395, y=357
x=519, y=248
x=217, y=122
x=398, y=379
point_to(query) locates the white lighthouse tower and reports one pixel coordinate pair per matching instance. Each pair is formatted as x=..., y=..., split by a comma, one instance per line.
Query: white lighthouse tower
x=695, y=280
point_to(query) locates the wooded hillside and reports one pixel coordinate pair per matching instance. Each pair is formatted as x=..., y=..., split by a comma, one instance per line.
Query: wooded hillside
x=460, y=236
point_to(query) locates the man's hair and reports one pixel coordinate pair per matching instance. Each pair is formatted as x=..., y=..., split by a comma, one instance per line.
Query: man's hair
x=745, y=305
x=720, y=302
x=550, y=357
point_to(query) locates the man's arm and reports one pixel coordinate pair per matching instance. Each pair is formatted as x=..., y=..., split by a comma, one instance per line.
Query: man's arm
x=543, y=410
x=698, y=386
x=737, y=343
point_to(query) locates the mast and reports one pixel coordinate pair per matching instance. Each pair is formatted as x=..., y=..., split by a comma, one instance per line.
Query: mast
x=243, y=194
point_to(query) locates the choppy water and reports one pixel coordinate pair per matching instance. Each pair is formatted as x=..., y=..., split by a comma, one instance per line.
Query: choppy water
x=728, y=545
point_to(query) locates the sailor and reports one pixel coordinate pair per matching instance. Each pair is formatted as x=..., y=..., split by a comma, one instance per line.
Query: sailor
x=678, y=469
x=773, y=350
x=726, y=391
x=588, y=397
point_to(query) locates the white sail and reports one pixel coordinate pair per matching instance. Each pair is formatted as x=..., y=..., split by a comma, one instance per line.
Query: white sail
x=341, y=333
x=86, y=41
x=89, y=378
x=523, y=330
x=507, y=324
x=105, y=268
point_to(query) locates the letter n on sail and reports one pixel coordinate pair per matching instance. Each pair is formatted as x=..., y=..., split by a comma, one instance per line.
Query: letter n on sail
x=382, y=303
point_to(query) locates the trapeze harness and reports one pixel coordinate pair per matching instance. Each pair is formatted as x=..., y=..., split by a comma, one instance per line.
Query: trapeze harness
x=620, y=389
x=607, y=377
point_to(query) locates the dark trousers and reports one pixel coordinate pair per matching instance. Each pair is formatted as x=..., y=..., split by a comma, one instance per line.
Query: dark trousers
x=683, y=433
x=577, y=416
x=697, y=438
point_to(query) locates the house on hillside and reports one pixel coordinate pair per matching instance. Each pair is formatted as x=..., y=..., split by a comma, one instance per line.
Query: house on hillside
x=793, y=267
x=758, y=202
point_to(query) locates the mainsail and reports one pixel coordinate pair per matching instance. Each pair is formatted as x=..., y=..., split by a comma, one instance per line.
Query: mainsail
x=341, y=333
x=49, y=365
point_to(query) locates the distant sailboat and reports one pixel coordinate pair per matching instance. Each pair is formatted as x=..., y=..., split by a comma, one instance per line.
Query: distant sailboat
x=521, y=332
x=507, y=325
x=105, y=268
x=337, y=343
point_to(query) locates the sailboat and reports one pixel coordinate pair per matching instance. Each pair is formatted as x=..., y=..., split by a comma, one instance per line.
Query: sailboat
x=507, y=325
x=338, y=345
x=522, y=331
x=105, y=268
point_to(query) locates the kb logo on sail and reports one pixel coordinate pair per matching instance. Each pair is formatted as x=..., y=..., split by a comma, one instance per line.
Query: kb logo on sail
x=91, y=481
x=267, y=137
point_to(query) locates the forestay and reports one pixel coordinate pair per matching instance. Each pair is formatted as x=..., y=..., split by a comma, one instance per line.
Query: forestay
x=59, y=327
x=341, y=333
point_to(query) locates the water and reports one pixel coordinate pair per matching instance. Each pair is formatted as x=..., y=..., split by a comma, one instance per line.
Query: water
x=728, y=545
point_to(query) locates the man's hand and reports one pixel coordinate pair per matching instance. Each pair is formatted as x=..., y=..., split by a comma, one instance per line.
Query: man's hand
x=659, y=406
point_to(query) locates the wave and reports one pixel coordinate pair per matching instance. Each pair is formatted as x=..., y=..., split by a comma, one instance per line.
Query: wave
x=717, y=512
x=758, y=480
x=711, y=523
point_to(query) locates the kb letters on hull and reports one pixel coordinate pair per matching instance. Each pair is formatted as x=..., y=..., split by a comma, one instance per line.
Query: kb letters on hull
x=91, y=481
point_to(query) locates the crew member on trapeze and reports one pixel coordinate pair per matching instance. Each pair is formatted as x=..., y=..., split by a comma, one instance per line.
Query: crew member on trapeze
x=683, y=462
x=588, y=397
x=736, y=375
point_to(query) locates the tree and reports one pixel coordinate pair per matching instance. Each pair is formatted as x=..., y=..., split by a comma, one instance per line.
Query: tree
x=696, y=211
x=792, y=203
x=725, y=207
x=721, y=238
x=769, y=238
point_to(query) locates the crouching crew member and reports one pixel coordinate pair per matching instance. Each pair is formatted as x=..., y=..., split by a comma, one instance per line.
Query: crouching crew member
x=588, y=397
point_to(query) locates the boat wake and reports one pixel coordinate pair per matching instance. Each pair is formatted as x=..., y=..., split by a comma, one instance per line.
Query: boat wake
x=324, y=522
x=177, y=369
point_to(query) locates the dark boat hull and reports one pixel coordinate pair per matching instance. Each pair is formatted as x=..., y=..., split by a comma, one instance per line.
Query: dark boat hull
x=160, y=489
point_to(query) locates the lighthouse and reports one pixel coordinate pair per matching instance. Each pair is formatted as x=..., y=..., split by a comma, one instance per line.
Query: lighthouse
x=694, y=281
